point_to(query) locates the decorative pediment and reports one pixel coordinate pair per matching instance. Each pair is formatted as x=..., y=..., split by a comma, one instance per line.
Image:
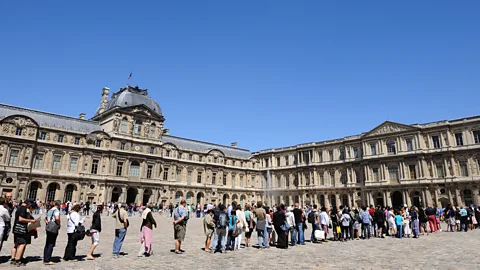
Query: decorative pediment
x=389, y=127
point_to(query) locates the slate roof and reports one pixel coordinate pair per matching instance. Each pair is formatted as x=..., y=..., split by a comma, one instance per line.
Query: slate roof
x=204, y=147
x=132, y=96
x=51, y=120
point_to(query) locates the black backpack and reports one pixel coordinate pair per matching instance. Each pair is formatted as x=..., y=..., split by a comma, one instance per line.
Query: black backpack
x=311, y=217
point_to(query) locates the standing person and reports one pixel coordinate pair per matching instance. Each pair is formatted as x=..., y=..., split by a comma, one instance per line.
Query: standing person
x=366, y=221
x=52, y=221
x=334, y=219
x=146, y=230
x=8, y=205
x=180, y=218
x=121, y=225
x=415, y=222
x=345, y=221
x=208, y=229
x=324, y=222
x=279, y=221
x=250, y=224
x=73, y=220
x=232, y=230
x=391, y=223
x=87, y=208
x=450, y=218
x=241, y=225
x=463, y=219
x=380, y=219
x=4, y=219
x=95, y=230
x=291, y=222
x=261, y=226
x=313, y=219
x=20, y=232
x=422, y=218
x=399, y=223
x=432, y=221
x=298, y=214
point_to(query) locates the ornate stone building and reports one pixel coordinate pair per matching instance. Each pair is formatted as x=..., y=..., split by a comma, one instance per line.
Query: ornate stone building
x=125, y=154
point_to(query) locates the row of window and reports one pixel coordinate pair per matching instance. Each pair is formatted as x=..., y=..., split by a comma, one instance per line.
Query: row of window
x=137, y=128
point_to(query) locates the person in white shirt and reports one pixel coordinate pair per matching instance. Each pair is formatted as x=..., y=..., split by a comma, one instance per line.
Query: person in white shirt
x=73, y=220
x=242, y=225
x=291, y=222
x=4, y=219
x=324, y=221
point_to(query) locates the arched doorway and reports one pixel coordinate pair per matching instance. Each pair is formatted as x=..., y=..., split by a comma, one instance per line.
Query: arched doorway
x=69, y=189
x=200, y=197
x=333, y=201
x=226, y=199
x=33, y=190
x=189, y=197
x=235, y=198
x=116, y=192
x=131, y=195
x=416, y=199
x=243, y=200
x=397, y=199
x=147, y=193
x=467, y=197
x=51, y=191
x=178, y=196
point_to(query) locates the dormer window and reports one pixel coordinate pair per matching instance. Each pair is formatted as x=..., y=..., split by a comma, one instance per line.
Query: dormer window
x=122, y=146
x=98, y=143
x=152, y=131
x=123, y=128
x=138, y=127
x=18, y=132
x=60, y=138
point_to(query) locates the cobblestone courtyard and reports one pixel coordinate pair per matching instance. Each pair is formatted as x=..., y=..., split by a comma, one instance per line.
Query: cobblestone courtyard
x=438, y=251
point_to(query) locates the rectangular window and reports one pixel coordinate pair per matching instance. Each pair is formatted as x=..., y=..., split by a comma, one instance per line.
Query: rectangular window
x=122, y=146
x=165, y=174
x=241, y=181
x=330, y=153
x=214, y=178
x=94, y=169
x=320, y=156
x=253, y=180
x=278, y=161
x=98, y=143
x=149, y=171
x=152, y=149
x=179, y=175
x=440, y=170
x=189, y=176
x=286, y=161
x=73, y=164
x=476, y=136
x=224, y=180
x=18, y=132
x=459, y=139
x=43, y=136
x=376, y=177
x=167, y=153
x=38, y=164
x=57, y=159
x=199, y=177
x=60, y=138
x=342, y=153
x=355, y=152
x=119, y=171
x=373, y=148
x=409, y=143
x=463, y=168
x=322, y=180
x=76, y=141
x=413, y=173
x=215, y=160
x=13, y=158
x=436, y=142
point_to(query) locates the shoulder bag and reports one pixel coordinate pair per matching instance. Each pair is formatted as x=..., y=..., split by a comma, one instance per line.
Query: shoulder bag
x=52, y=225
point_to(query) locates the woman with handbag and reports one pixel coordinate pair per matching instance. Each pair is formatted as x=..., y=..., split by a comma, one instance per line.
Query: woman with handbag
x=73, y=221
x=146, y=230
x=242, y=226
x=281, y=227
x=95, y=231
x=250, y=224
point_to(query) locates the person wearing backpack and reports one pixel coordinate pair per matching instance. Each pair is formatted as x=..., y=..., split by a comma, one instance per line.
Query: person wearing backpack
x=52, y=226
x=313, y=219
x=220, y=229
x=232, y=229
x=180, y=218
x=121, y=225
x=73, y=221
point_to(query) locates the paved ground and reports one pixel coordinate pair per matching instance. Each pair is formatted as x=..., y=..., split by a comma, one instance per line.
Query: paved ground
x=437, y=251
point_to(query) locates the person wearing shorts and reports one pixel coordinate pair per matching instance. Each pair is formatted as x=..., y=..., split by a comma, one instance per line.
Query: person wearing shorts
x=95, y=231
x=180, y=217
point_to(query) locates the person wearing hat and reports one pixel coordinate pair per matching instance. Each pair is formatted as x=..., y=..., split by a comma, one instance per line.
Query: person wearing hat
x=21, y=236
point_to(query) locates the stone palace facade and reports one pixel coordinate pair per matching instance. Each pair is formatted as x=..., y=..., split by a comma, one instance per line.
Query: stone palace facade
x=125, y=154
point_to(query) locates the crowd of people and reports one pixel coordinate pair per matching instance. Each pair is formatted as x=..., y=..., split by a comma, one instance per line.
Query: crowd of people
x=226, y=227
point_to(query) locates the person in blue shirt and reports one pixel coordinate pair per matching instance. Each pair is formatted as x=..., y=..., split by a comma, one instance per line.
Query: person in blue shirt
x=399, y=223
x=463, y=219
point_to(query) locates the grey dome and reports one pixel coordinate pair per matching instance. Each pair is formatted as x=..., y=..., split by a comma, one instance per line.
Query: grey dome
x=133, y=96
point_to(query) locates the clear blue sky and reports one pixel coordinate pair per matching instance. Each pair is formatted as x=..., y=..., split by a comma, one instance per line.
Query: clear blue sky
x=263, y=73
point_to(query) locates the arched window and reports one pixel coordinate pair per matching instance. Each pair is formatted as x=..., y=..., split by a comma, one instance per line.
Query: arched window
x=152, y=131
x=32, y=192
x=134, y=168
x=393, y=172
x=123, y=128
x=391, y=149
x=138, y=127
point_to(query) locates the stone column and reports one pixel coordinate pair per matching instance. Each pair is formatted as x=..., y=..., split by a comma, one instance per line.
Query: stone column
x=408, y=200
x=458, y=197
x=123, y=196
x=337, y=199
x=475, y=196
x=61, y=193
x=139, y=198
x=389, y=199
x=350, y=202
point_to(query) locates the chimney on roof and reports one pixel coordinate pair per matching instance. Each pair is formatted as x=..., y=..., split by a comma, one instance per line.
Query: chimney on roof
x=104, y=101
x=82, y=116
x=234, y=144
x=165, y=131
